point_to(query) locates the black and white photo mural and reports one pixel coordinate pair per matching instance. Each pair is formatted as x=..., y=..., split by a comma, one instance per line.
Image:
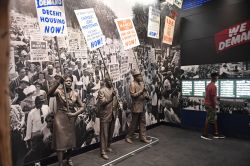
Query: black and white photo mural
x=233, y=86
x=30, y=76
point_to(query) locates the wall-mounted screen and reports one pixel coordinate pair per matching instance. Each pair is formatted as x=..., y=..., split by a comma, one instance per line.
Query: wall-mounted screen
x=199, y=87
x=227, y=88
x=242, y=88
x=187, y=88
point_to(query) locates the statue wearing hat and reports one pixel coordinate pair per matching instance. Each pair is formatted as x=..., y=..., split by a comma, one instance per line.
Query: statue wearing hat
x=108, y=106
x=137, y=92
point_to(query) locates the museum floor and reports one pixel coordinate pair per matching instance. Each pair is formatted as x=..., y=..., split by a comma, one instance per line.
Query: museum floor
x=177, y=147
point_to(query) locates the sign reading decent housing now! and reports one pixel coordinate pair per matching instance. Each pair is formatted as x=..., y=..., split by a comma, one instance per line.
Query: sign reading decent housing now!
x=235, y=35
x=90, y=28
x=51, y=17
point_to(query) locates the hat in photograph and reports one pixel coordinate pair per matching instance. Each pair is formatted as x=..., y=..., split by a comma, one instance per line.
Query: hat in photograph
x=25, y=80
x=50, y=67
x=23, y=52
x=72, y=63
x=57, y=76
x=79, y=83
x=135, y=72
x=12, y=36
x=38, y=83
x=29, y=90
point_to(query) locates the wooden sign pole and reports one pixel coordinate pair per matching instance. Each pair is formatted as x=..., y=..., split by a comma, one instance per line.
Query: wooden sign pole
x=5, y=148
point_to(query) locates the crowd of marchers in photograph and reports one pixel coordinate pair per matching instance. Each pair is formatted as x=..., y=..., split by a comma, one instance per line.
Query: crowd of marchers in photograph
x=32, y=79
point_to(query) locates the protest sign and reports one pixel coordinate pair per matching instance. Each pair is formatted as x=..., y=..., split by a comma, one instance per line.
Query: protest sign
x=124, y=65
x=153, y=23
x=178, y=3
x=38, y=51
x=127, y=32
x=35, y=35
x=114, y=72
x=134, y=64
x=170, y=1
x=113, y=59
x=12, y=66
x=152, y=56
x=168, y=30
x=233, y=36
x=51, y=17
x=83, y=54
x=130, y=55
x=74, y=45
x=90, y=28
x=62, y=42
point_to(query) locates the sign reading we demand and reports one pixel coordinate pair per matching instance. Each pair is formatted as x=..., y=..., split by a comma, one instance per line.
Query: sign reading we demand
x=51, y=17
x=235, y=35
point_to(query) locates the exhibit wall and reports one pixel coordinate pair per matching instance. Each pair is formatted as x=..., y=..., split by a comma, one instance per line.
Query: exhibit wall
x=215, y=38
x=212, y=43
x=34, y=63
x=209, y=33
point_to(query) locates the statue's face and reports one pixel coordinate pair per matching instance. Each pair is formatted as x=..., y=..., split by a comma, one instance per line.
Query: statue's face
x=108, y=83
x=68, y=82
x=138, y=78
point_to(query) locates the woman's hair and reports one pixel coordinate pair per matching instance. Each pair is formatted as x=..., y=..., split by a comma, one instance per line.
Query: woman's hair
x=68, y=76
x=38, y=83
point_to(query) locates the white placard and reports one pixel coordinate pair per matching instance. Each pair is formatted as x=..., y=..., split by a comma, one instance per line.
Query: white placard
x=51, y=17
x=38, y=51
x=114, y=72
x=153, y=22
x=124, y=65
x=113, y=59
x=170, y=1
x=35, y=35
x=90, y=28
x=74, y=43
x=152, y=56
x=12, y=66
x=62, y=43
x=127, y=32
x=82, y=55
x=178, y=3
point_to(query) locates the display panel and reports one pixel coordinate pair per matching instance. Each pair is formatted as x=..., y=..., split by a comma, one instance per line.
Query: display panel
x=242, y=88
x=187, y=88
x=227, y=88
x=199, y=88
